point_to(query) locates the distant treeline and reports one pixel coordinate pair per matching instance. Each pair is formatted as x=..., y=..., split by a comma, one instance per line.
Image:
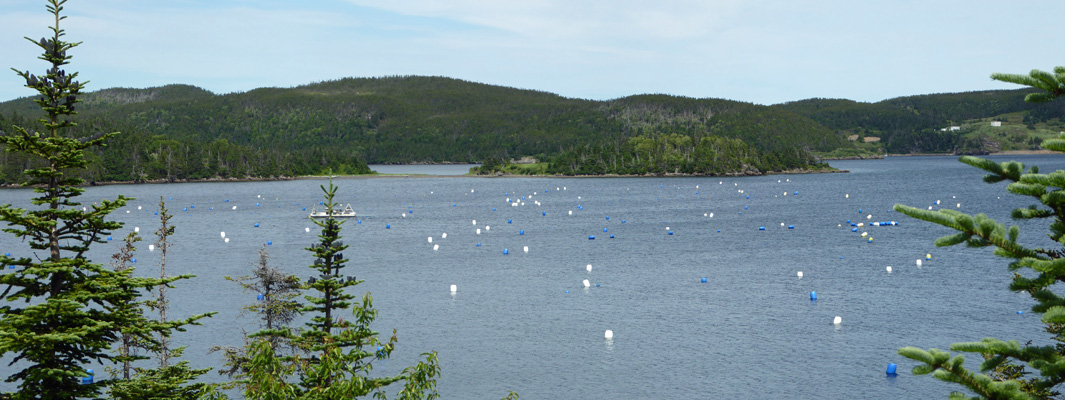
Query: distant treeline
x=183, y=132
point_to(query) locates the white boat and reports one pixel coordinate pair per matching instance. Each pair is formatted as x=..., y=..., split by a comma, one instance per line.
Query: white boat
x=346, y=212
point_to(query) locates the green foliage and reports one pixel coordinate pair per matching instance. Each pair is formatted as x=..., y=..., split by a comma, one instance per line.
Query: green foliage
x=60, y=311
x=336, y=355
x=1002, y=378
x=913, y=124
x=1052, y=85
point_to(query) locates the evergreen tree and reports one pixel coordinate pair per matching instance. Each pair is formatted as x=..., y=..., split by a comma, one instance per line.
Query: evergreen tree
x=168, y=381
x=276, y=308
x=60, y=311
x=1001, y=377
x=341, y=351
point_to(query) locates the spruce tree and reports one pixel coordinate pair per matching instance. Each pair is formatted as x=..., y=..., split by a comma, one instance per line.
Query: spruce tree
x=59, y=310
x=276, y=306
x=1002, y=377
x=167, y=381
x=341, y=351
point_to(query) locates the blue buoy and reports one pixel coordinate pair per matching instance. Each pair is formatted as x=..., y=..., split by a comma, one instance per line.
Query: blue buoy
x=761, y=228
x=478, y=245
x=269, y=243
x=848, y=221
x=670, y=233
x=623, y=221
x=108, y=238
x=156, y=213
x=185, y=209
x=192, y=206
x=260, y=297
x=506, y=251
x=859, y=211
x=718, y=231
x=510, y=221
x=891, y=367
x=87, y=380
x=580, y=207
x=791, y=226
x=1020, y=312
x=493, y=209
x=388, y=226
x=703, y=280
x=813, y=296
x=608, y=218
x=304, y=208
x=134, y=260
x=596, y=285
x=256, y=224
x=611, y=236
x=591, y=237
x=604, y=230
x=227, y=200
x=521, y=232
x=567, y=291
x=854, y=229
x=744, y=207
x=358, y=222
x=544, y=213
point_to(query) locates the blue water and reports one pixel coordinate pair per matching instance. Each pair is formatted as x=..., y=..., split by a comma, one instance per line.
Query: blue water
x=524, y=321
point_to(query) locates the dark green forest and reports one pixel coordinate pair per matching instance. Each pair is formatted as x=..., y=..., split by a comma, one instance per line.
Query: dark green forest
x=181, y=132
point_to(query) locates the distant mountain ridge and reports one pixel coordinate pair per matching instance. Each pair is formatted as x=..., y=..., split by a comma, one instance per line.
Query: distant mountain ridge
x=185, y=132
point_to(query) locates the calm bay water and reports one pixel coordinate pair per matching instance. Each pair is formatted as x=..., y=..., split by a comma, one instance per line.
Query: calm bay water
x=524, y=321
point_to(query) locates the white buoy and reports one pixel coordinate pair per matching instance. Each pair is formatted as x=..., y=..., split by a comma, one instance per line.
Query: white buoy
x=443, y=235
x=430, y=239
x=847, y=196
x=227, y=240
x=837, y=320
x=436, y=247
x=526, y=249
x=586, y=283
x=959, y=205
x=864, y=234
x=487, y=228
x=870, y=216
x=306, y=229
x=475, y=222
x=889, y=269
x=136, y=229
x=570, y=212
x=711, y=215
x=151, y=247
x=234, y=207
x=609, y=334
x=589, y=268
x=918, y=262
x=799, y=274
x=781, y=224
x=937, y=202
x=404, y=215
x=138, y=207
x=478, y=231
x=223, y=234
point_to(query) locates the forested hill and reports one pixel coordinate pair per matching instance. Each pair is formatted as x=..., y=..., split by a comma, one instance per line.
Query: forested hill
x=184, y=132
x=915, y=124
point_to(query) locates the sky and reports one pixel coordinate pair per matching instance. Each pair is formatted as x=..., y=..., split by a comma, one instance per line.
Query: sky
x=758, y=51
